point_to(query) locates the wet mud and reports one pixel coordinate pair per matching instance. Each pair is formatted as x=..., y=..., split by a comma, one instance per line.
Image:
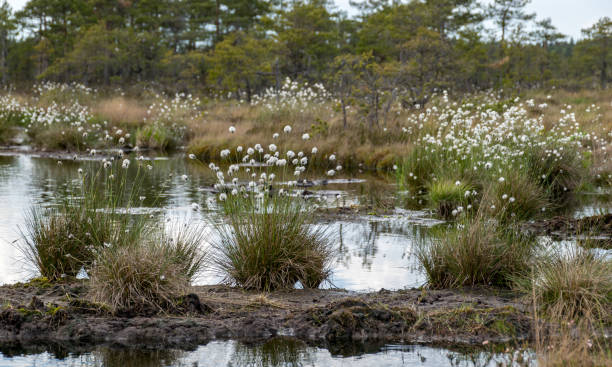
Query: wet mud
x=34, y=314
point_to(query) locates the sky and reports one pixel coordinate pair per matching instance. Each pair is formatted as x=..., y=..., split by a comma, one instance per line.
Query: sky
x=569, y=16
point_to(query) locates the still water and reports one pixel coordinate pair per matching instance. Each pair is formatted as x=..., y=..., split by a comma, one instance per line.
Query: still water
x=374, y=251
x=273, y=353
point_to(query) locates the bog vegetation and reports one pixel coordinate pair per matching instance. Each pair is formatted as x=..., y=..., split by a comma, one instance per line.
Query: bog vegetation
x=487, y=133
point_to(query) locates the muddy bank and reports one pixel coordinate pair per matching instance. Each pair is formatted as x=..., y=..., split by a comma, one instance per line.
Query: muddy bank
x=60, y=315
x=597, y=229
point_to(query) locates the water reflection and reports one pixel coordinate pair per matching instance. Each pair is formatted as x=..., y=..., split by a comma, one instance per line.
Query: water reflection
x=374, y=251
x=278, y=352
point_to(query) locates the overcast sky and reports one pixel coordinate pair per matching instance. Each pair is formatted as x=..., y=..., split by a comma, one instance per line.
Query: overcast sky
x=569, y=16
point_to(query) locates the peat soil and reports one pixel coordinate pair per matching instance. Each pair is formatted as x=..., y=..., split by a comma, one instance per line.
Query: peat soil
x=46, y=314
x=596, y=230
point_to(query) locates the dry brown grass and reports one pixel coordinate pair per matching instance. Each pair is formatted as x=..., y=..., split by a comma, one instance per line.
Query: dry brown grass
x=568, y=351
x=579, y=100
x=569, y=342
x=120, y=110
x=262, y=300
x=354, y=147
x=570, y=300
x=140, y=278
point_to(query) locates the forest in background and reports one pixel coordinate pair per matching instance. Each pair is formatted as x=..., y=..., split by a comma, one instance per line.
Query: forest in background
x=391, y=50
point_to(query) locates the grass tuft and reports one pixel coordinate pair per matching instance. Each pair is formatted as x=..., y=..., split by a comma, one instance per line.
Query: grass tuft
x=558, y=171
x=446, y=195
x=477, y=251
x=573, y=284
x=151, y=274
x=517, y=198
x=269, y=244
x=61, y=240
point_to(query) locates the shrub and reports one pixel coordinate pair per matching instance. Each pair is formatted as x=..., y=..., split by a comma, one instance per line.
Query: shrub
x=269, y=244
x=575, y=283
x=477, y=251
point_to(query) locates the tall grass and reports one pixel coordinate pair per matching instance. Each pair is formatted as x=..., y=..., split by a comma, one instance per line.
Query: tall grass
x=518, y=198
x=132, y=262
x=7, y=130
x=184, y=243
x=573, y=292
x=270, y=243
x=150, y=274
x=448, y=196
x=571, y=284
x=556, y=169
x=61, y=240
x=159, y=136
x=476, y=251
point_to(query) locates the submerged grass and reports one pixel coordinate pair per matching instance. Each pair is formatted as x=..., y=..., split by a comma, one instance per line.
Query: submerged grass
x=269, y=243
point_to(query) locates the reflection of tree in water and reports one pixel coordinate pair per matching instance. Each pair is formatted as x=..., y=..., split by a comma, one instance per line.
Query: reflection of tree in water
x=377, y=194
x=110, y=357
x=161, y=186
x=365, y=244
x=272, y=353
x=15, y=350
x=475, y=358
x=102, y=356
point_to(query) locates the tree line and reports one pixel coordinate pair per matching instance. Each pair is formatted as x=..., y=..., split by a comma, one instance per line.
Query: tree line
x=403, y=50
